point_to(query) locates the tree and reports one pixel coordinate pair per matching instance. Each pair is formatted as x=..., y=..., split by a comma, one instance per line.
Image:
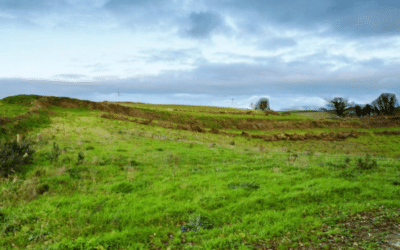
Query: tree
x=263, y=104
x=386, y=103
x=323, y=109
x=367, y=110
x=339, y=105
x=358, y=110
x=375, y=110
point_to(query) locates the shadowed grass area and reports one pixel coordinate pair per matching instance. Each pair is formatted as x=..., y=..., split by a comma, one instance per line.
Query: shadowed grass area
x=101, y=183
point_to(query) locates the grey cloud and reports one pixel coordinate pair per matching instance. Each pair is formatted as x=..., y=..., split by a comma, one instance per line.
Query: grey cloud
x=202, y=24
x=70, y=76
x=319, y=58
x=180, y=55
x=106, y=78
x=131, y=14
x=97, y=67
x=142, y=15
x=372, y=63
x=234, y=56
x=390, y=80
x=277, y=43
x=123, y=5
x=342, y=17
x=24, y=5
x=19, y=22
x=367, y=19
x=57, y=13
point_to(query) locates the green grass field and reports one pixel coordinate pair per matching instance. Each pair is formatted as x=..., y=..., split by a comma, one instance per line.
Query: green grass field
x=99, y=183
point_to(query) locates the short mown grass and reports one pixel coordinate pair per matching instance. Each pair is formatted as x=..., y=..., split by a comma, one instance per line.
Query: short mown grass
x=106, y=184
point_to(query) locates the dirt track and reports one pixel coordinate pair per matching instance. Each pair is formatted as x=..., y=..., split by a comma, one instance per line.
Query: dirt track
x=192, y=123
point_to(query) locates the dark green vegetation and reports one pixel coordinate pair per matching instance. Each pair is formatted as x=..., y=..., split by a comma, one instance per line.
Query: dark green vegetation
x=91, y=182
x=385, y=104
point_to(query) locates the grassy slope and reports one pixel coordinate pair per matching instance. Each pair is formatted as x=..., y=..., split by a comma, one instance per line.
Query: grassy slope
x=138, y=184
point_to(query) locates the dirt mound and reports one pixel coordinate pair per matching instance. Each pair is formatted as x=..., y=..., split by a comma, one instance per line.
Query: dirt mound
x=130, y=102
x=63, y=102
x=378, y=121
x=66, y=102
x=332, y=136
x=121, y=118
x=387, y=133
x=214, y=131
x=339, y=136
x=249, y=112
x=271, y=112
x=41, y=103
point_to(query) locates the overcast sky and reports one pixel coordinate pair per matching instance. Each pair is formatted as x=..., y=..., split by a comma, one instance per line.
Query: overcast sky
x=226, y=53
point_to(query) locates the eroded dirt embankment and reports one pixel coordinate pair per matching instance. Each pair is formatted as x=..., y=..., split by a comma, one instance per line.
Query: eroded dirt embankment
x=192, y=123
x=332, y=136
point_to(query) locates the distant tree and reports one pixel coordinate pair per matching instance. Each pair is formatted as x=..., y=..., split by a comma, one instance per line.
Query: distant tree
x=358, y=110
x=339, y=105
x=386, y=104
x=375, y=110
x=367, y=110
x=323, y=109
x=262, y=104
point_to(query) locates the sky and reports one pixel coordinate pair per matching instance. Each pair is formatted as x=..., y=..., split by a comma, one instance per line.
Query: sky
x=223, y=53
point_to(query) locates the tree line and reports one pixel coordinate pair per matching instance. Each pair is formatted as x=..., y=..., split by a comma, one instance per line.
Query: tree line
x=385, y=104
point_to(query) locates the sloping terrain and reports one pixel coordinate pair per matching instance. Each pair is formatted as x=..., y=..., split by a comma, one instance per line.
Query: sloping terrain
x=132, y=176
x=193, y=123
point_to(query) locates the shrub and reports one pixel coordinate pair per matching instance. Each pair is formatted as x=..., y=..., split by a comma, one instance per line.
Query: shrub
x=80, y=158
x=13, y=156
x=246, y=186
x=123, y=187
x=43, y=188
x=367, y=163
x=197, y=222
x=74, y=173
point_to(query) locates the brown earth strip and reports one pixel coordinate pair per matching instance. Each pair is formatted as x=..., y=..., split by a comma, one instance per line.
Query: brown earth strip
x=277, y=137
x=192, y=123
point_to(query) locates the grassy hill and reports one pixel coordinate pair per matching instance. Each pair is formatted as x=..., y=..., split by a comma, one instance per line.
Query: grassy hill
x=142, y=176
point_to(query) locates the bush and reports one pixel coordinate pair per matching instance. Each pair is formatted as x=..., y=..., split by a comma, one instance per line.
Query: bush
x=81, y=157
x=196, y=223
x=13, y=156
x=367, y=163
